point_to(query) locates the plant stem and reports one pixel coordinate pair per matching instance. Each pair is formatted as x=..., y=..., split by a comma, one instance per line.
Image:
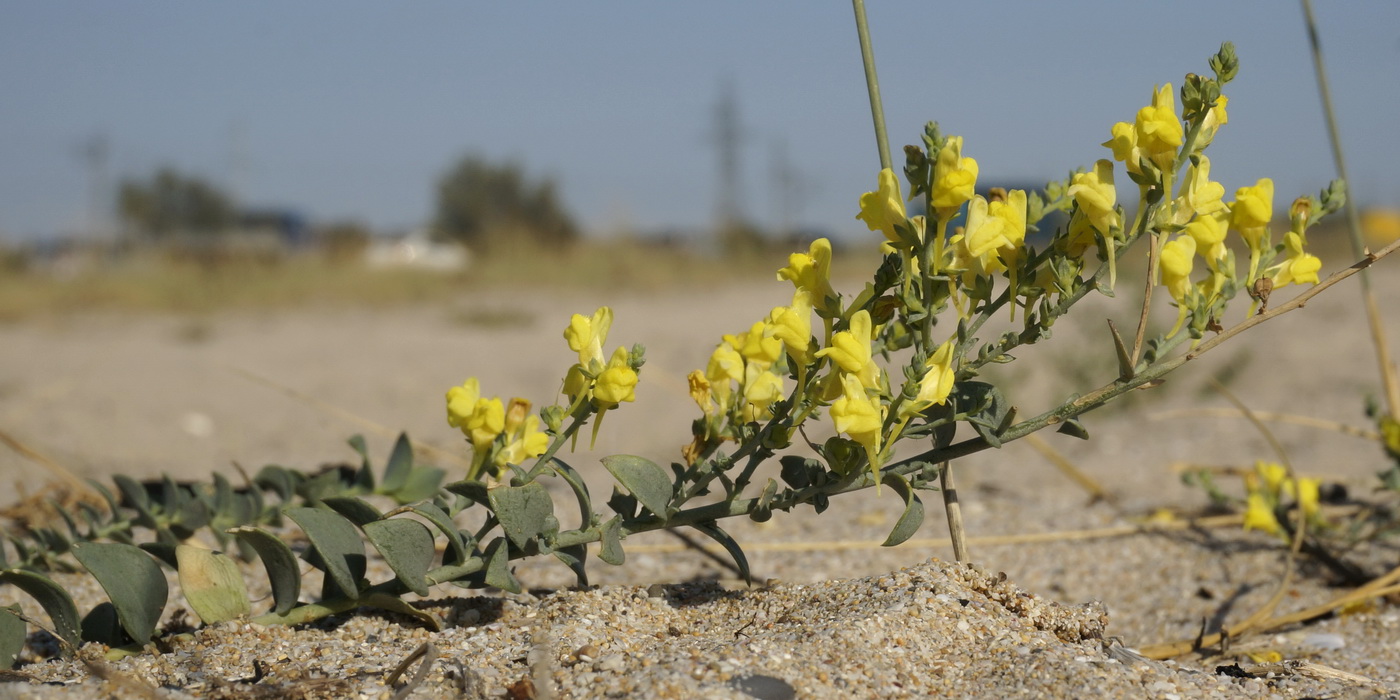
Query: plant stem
x=872, y=84
x=1358, y=246
x=953, y=510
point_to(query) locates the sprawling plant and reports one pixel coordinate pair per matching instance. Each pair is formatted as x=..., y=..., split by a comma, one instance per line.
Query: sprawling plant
x=894, y=365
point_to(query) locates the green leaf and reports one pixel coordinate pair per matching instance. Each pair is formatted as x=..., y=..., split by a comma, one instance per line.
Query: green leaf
x=717, y=534
x=132, y=580
x=575, y=558
x=498, y=573
x=12, y=634
x=913, y=516
x=456, y=547
x=211, y=583
x=356, y=510
x=644, y=478
x=1075, y=428
x=575, y=482
x=342, y=552
x=611, y=549
x=364, y=478
x=278, y=480
x=524, y=511
x=399, y=465
x=283, y=572
x=102, y=625
x=985, y=406
x=134, y=496
x=474, y=491
x=424, y=482
x=407, y=546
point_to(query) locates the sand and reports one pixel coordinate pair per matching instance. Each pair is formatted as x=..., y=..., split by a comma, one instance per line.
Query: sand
x=836, y=616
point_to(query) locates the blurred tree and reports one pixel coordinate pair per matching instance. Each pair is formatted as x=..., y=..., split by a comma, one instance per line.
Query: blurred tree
x=482, y=205
x=170, y=203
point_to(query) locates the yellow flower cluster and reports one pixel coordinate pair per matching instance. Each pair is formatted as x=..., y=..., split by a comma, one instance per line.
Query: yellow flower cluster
x=499, y=435
x=1267, y=488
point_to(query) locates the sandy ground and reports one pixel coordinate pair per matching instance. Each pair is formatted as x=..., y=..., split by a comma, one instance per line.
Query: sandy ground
x=147, y=395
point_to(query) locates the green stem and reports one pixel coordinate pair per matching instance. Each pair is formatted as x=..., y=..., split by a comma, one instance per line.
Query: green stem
x=872, y=83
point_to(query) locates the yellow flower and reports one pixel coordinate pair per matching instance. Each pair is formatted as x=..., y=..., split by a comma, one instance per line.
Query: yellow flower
x=1259, y=515
x=762, y=389
x=984, y=233
x=1274, y=476
x=1159, y=132
x=478, y=418
x=1124, y=145
x=1177, y=256
x=700, y=391
x=883, y=209
x=1308, y=495
x=793, y=326
x=1209, y=234
x=1252, y=211
x=850, y=350
x=811, y=272
x=1199, y=196
x=937, y=382
x=860, y=418
x=726, y=364
x=758, y=346
x=1299, y=267
x=523, y=434
x=954, y=178
x=1096, y=196
x=586, y=335
x=1215, y=118
x=617, y=383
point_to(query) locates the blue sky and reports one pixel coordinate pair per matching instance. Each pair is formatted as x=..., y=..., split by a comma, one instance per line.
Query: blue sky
x=352, y=110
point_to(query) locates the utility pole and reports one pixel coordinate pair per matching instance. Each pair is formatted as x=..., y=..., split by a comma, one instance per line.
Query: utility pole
x=727, y=137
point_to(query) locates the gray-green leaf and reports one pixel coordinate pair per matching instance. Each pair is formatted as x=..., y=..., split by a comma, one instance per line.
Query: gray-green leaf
x=132, y=580
x=644, y=478
x=283, y=573
x=12, y=630
x=53, y=599
x=524, y=511
x=407, y=546
x=341, y=550
x=913, y=515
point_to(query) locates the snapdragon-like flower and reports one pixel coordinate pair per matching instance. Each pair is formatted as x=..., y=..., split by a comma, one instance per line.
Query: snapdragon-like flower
x=861, y=418
x=699, y=386
x=1209, y=234
x=479, y=418
x=1096, y=196
x=1259, y=514
x=1253, y=210
x=617, y=383
x=1177, y=258
x=586, y=335
x=524, y=439
x=883, y=209
x=1199, y=196
x=1159, y=132
x=1298, y=267
x=954, y=179
x=811, y=272
x=1215, y=118
x=1123, y=143
x=762, y=388
x=793, y=326
x=936, y=384
x=726, y=365
x=850, y=350
x=758, y=345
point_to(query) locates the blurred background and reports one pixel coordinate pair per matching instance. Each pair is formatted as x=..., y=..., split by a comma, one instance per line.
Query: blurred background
x=365, y=203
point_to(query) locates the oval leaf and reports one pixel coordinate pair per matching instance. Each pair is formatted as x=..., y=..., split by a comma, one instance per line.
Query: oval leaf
x=342, y=552
x=575, y=482
x=644, y=478
x=611, y=549
x=12, y=630
x=283, y=572
x=356, y=510
x=53, y=599
x=407, y=546
x=498, y=573
x=211, y=583
x=132, y=580
x=913, y=516
x=524, y=511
